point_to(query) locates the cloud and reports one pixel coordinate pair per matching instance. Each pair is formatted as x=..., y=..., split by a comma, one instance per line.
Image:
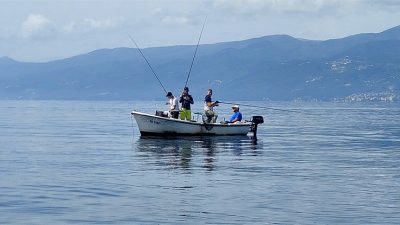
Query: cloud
x=383, y=5
x=37, y=26
x=70, y=27
x=57, y=24
x=265, y=6
x=175, y=20
x=100, y=24
x=92, y=25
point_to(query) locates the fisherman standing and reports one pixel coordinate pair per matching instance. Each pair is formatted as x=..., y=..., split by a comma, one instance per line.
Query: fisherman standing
x=173, y=109
x=209, y=108
x=186, y=100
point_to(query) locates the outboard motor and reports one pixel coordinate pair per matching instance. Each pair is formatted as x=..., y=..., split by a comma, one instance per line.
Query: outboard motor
x=255, y=120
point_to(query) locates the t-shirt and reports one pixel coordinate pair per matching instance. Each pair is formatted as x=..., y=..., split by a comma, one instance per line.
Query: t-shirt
x=207, y=99
x=173, y=104
x=237, y=115
x=186, y=102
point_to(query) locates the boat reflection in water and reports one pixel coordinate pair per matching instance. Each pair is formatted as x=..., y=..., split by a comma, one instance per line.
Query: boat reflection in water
x=194, y=152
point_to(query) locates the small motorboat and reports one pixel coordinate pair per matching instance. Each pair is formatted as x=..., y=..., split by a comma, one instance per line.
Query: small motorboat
x=159, y=125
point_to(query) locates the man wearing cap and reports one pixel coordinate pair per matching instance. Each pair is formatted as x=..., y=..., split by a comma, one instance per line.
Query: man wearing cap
x=186, y=100
x=237, y=116
x=173, y=106
x=209, y=107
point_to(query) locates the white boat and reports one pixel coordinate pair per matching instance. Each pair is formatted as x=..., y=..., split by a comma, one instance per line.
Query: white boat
x=154, y=125
x=159, y=125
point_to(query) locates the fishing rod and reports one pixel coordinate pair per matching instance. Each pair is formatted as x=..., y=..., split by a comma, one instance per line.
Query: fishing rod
x=151, y=68
x=194, y=55
x=261, y=107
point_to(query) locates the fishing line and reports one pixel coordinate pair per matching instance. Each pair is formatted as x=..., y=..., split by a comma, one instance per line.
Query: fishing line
x=151, y=68
x=261, y=107
x=194, y=55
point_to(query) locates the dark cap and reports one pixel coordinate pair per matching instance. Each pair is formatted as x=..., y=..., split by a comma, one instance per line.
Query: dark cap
x=169, y=94
x=186, y=89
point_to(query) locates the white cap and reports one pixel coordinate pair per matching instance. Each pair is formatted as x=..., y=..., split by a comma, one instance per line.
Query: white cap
x=235, y=107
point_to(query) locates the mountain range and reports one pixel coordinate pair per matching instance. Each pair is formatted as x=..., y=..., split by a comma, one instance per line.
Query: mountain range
x=362, y=67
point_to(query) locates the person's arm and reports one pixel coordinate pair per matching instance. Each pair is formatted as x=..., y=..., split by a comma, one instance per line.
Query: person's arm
x=210, y=103
x=232, y=118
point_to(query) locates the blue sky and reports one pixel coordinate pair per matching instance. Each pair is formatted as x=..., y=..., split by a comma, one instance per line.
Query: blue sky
x=44, y=30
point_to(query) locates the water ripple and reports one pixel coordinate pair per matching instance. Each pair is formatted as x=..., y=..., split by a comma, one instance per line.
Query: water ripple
x=81, y=163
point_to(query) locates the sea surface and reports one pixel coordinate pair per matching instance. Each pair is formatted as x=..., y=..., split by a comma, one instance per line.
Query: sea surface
x=84, y=162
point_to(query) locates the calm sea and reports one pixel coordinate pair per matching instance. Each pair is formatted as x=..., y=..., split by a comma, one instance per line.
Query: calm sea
x=83, y=162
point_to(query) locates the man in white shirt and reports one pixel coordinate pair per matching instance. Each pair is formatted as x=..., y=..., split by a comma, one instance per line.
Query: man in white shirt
x=173, y=109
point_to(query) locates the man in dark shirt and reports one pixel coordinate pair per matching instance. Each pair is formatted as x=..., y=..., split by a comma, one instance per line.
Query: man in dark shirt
x=186, y=100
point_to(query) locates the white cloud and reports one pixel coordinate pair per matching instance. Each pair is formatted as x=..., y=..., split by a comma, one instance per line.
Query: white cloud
x=277, y=6
x=92, y=25
x=37, y=26
x=70, y=27
x=175, y=20
x=100, y=24
x=65, y=28
x=387, y=6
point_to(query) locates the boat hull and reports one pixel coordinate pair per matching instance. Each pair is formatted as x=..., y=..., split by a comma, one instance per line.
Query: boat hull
x=150, y=125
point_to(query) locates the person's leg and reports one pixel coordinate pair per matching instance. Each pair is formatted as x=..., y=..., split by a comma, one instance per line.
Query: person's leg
x=183, y=114
x=215, y=117
x=188, y=115
x=175, y=114
x=209, y=114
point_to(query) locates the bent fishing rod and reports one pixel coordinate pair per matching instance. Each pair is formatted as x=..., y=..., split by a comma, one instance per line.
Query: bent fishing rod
x=151, y=68
x=194, y=55
x=261, y=107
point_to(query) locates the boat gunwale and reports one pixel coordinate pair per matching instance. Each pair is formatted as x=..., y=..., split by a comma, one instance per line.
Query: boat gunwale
x=191, y=122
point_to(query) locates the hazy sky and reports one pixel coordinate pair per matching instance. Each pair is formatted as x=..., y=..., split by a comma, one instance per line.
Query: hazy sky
x=43, y=30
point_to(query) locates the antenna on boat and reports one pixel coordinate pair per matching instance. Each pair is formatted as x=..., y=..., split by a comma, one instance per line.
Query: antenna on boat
x=194, y=55
x=151, y=68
